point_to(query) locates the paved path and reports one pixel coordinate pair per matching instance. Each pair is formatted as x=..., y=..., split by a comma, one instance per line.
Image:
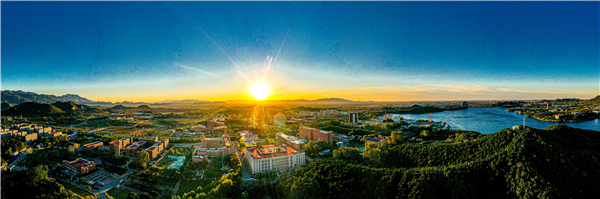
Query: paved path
x=177, y=187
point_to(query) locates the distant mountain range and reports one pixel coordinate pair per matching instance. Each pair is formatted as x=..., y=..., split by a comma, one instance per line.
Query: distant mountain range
x=18, y=97
x=34, y=108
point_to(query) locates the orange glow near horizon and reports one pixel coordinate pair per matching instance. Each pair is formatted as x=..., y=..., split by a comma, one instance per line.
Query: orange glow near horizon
x=259, y=91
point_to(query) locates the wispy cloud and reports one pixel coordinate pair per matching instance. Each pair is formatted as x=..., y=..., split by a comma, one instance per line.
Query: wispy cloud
x=198, y=70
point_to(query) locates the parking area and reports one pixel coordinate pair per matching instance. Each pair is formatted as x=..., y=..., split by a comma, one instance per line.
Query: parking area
x=101, y=176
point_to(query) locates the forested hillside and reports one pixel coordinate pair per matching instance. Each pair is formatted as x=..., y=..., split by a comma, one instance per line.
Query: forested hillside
x=555, y=162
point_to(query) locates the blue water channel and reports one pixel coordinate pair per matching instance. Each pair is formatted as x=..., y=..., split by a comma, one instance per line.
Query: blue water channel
x=490, y=120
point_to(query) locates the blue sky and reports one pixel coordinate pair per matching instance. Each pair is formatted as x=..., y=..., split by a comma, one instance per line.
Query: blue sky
x=381, y=51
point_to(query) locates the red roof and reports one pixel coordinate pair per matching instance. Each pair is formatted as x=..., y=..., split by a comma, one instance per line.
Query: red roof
x=55, y=132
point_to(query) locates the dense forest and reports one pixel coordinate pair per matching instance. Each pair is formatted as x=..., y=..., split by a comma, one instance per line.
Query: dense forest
x=555, y=162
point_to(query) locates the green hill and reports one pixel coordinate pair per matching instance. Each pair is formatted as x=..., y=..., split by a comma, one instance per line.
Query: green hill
x=6, y=106
x=594, y=101
x=70, y=106
x=33, y=108
x=37, y=109
x=555, y=162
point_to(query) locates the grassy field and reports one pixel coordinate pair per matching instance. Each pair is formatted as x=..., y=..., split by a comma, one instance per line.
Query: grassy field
x=189, y=185
x=75, y=189
x=117, y=193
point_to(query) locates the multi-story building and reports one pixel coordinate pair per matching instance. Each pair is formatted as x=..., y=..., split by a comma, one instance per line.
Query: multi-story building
x=273, y=158
x=119, y=144
x=373, y=141
x=353, y=117
x=329, y=112
x=54, y=134
x=291, y=140
x=211, y=126
x=133, y=148
x=212, y=142
x=315, y=134
x=27, y=137
x=308, y=113
x=93, y=145
x=79, y=166
x=216, y=147
x=157, y=148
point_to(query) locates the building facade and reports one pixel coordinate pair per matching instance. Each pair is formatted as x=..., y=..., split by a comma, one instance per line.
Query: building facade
x=314, y=134
x=79, y=166
x=273, y=158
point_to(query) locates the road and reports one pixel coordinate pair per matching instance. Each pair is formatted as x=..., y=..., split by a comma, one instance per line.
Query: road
x=14, y=164
x=100, y=193
x=245, y=174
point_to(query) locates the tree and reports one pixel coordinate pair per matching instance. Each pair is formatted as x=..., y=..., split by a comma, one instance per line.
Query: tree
x=39, y=172
x=145, y=195
x=397, y=137
x=133, y=195
x=347, y=153
x=141, y=157
x=372, y=153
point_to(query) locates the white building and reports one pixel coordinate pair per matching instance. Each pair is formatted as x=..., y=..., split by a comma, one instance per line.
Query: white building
x=273, y=158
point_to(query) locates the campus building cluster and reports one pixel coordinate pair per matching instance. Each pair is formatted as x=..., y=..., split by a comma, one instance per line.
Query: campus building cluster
x=28, y=132
x=327, y=112
x=273, y=158
x=79, y=166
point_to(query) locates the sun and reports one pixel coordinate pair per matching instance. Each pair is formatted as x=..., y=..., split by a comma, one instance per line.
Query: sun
x=259, y=91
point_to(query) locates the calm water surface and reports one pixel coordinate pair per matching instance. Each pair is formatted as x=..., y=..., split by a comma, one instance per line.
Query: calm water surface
x=490, y=120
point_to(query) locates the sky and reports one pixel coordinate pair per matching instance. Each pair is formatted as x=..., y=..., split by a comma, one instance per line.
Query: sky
x=367, y=51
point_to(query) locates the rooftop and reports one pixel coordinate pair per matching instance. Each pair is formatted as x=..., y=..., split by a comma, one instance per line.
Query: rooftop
x=271, y=151
x=93, y=143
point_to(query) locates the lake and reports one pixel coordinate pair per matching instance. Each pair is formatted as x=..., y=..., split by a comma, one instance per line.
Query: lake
x=493, y=119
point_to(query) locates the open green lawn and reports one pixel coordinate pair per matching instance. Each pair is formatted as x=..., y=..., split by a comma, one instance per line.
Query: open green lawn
x=75, y=189
x=189, y=185
x=171, y=182
x=117, y=193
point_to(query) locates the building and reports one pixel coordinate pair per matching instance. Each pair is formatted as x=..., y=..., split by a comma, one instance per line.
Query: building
x=273, y=158
x=329, y=112
x=373, y=141
x=212, y=142
x=119, y=144
x=54, y=134
x=308, y=113
x=465, y=104
x=353, y=117
x=314, y=134
x=93, y=145
x=343, y=138
x=211, y=126
x=103, y=148
x=291, y=140
x=79, y=166
x=216, y=147
x=133, y=148
x=197, y=158
x=157, y=148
